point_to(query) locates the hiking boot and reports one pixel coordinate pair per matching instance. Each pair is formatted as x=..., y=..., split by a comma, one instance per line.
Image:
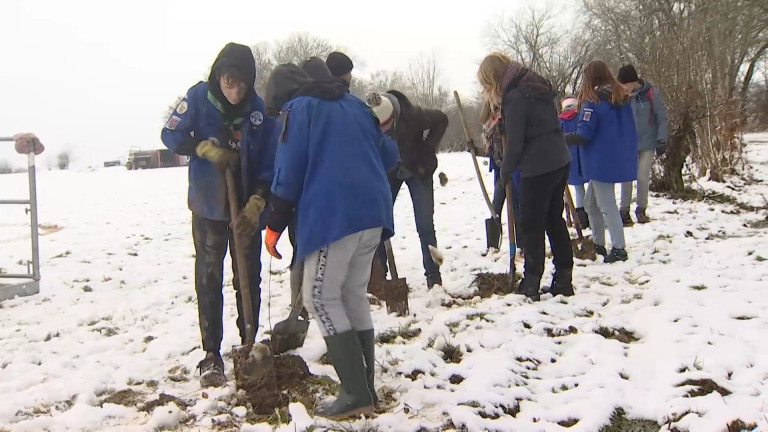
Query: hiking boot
x=562, y=283
x=355, y=398
x=529, y=287
x=601, y=250
x=616, y=255
x=642, y=218
x=626, y=219
x=583, y=217
x=212, y=371
x=368, y=344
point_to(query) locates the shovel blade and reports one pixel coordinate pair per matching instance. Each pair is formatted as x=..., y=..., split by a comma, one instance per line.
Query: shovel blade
x=288, y=335
x=493, y=233
x=397, y=297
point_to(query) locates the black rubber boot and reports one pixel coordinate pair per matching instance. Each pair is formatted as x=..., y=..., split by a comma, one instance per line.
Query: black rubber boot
x=529, y=287
x=368, y=344
x=562, y=283
x=212, y=371
x=355, y=397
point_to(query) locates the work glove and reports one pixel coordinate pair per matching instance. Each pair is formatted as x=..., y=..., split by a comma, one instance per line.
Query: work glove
x=248, y=219
x=270, y=241
x=661, y=148
x=24, y=141
x=220, y=157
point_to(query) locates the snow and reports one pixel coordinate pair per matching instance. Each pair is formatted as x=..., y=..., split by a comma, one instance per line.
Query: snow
x=117, y=311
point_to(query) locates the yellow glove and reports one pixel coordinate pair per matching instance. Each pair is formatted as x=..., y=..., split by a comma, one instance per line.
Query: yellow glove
x=220, y=157
x=248, y=221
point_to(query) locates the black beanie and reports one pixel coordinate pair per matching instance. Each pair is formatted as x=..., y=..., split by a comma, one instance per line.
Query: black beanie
x=627, y=74
x=339, y=64
x=316, y=68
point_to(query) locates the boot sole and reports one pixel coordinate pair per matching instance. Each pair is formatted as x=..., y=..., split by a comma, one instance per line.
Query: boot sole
x=366, y=411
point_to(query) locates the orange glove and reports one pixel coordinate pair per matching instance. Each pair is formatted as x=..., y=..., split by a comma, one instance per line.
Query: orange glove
x=270, y=241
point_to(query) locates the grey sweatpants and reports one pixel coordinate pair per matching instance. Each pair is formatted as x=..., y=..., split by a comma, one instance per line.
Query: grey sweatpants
x=600, y=204
x=336, y=283
x=644, y=162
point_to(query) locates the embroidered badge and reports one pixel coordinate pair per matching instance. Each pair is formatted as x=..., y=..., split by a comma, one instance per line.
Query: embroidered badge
x=172, y=122
x=182, y=107
x=587, y=114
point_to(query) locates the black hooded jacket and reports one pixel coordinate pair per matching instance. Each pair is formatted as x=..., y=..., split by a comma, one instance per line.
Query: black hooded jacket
x=288, y=81
x=534, y=140
x=235, y=60
x=418, y=154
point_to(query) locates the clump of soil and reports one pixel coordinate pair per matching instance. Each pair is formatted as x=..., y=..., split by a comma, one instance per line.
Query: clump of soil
x=620, y=334
x=703, y=387
x=292, y=383
x=164, y=399
x=489, y=284
x=620, y=423
x=127, y=398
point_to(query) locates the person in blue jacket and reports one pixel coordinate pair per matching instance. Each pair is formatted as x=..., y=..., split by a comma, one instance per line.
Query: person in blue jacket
x=650, y=115
x=608, y=140
x=221, y=125
x=569, y=112
x=331, y=176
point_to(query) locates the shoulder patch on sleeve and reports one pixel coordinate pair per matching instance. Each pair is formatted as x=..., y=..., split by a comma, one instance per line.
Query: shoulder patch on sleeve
x=172, y=122
x=587, y=114
x=181, y=108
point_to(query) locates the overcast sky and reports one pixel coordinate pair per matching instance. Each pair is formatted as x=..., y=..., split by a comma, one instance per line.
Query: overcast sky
x=97, y=76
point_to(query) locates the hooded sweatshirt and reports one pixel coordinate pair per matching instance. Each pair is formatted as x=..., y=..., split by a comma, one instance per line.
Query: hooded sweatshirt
x=650, y=115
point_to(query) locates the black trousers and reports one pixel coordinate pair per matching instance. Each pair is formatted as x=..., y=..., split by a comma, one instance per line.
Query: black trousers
x=211, y=239
x=542, y=212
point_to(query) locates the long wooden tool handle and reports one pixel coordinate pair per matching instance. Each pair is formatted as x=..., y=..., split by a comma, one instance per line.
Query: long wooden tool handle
x=473, y=152
x=391, y=259
x=511, y=230
x=571, y=208
x=240, y=260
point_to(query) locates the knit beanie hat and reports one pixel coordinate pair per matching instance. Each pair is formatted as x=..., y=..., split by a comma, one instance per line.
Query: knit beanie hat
x=568, y=103
x=384, y=105
x=339, y=63
x=627, y=74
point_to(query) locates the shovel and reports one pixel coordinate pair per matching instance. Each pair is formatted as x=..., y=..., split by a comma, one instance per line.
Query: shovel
x=290, y=333
x=396, y=289
x=254, y=363
x=583, y=248
x=511, y=234
x=492, y=224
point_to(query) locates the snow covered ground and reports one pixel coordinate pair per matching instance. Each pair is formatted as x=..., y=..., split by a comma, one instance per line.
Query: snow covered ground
x=117, y=311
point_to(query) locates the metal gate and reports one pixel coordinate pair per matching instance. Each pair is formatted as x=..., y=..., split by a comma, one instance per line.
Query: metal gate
x=29, y=283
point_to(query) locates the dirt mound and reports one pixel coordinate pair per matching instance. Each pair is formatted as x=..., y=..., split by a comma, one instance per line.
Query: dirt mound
x=489, y=284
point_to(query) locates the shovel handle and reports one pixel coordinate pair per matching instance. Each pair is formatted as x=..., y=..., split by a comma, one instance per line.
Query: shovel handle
x=572, y=209
x=511, y=230
x=240, y=259
x=391, y=259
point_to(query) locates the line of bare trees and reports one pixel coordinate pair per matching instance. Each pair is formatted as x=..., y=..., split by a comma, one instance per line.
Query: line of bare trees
x=709, y=59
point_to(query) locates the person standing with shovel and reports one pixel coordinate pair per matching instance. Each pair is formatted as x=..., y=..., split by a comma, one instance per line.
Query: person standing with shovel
x=221, y=125
x=535, y=145
x=331, y=172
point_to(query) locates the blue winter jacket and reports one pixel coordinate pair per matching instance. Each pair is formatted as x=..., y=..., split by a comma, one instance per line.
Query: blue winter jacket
x=568, y=122
x=609, y=150
x=197, y=118
x=331, y=165
x=650, y=117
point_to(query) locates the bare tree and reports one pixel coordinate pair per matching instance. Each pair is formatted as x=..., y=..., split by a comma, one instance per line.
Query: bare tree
x=424, y=83
x=63, y=159
x=533, y=38
x=699, y=53
x=5, y=167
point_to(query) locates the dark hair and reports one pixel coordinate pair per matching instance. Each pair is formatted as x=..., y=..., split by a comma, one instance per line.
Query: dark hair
x=405, y=104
